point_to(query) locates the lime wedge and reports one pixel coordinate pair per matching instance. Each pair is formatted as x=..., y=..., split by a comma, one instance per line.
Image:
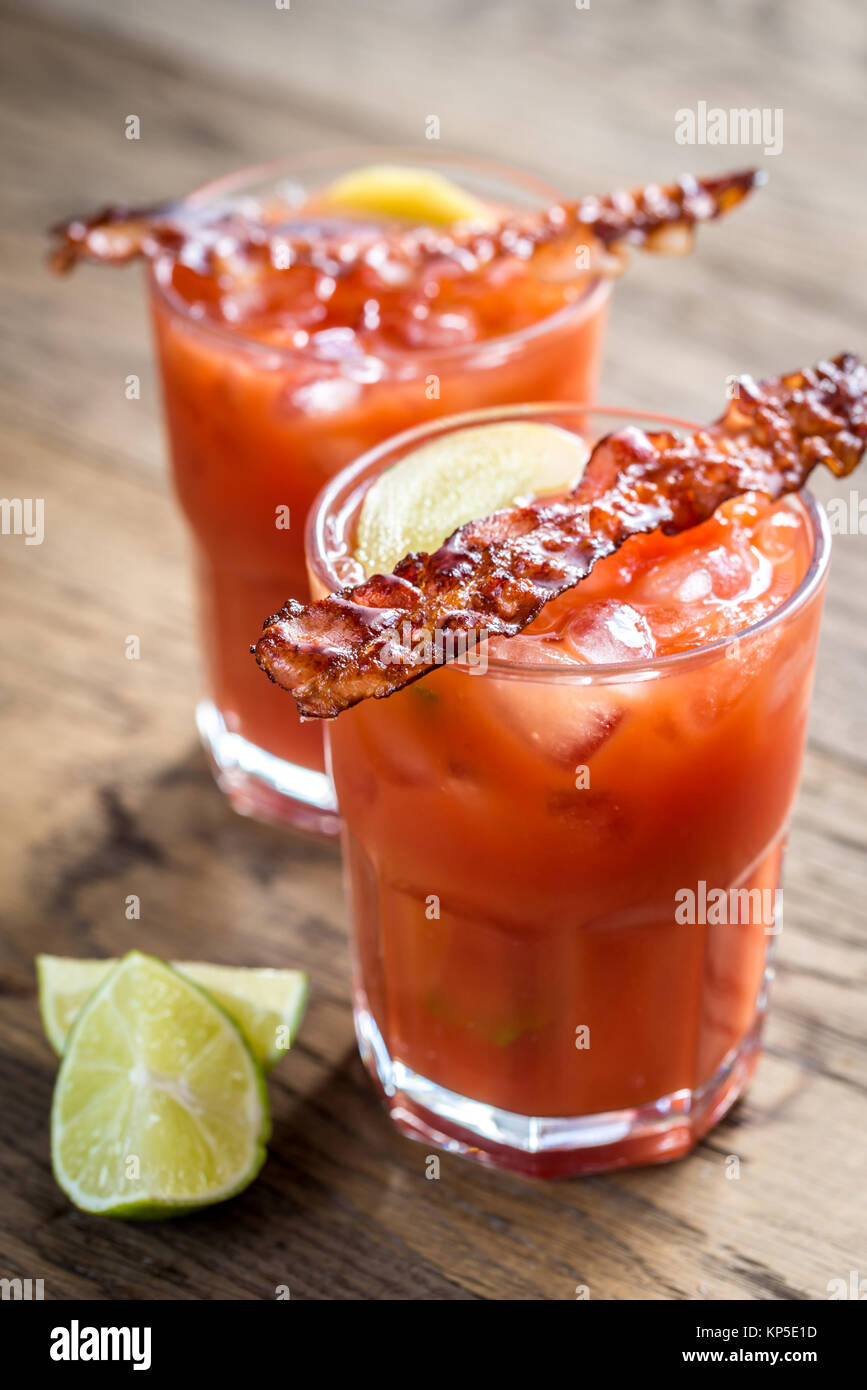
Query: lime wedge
x=267, y=1005
x=159, y=1106
x=419, y=196
x=470, y=473
x=64, y=986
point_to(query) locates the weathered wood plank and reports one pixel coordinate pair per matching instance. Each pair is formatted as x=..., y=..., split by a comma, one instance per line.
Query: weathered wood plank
x=105, y=793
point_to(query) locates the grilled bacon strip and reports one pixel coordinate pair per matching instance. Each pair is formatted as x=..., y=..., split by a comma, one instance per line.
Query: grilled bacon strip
x=492, y=576
x=658, y=217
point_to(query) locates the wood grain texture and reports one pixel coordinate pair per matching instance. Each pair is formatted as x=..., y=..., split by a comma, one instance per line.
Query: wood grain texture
x=104, y=790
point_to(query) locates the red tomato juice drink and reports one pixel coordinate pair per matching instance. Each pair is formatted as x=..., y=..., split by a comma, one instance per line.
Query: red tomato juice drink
x=272, y=385
x=563, y=855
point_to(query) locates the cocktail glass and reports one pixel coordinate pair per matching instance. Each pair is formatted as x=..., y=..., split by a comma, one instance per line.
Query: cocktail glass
x=255, y=430
x=536, y=857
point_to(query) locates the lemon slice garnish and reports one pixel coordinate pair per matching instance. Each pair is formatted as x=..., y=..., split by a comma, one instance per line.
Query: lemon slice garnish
x=419, y=502
x=419, y=196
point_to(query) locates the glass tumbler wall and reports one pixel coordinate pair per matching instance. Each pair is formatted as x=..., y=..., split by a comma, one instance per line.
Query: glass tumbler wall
x=522, y=845
x=256, y=430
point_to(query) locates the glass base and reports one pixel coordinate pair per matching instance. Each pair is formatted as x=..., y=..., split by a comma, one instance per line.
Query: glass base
x=256, y=783
x=547, y=1146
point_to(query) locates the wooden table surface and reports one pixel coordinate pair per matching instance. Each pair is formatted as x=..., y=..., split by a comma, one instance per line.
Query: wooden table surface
x=105, y=791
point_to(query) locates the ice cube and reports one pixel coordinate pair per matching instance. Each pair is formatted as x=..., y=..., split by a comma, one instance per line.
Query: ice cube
x=700, y=575
x=344, y=346
x=243, y=304
x=327, y=396
x=779, y=534
x=441, y=330
x=668, y=580
x=607, y=631
x=541, y=650
x=695, y=585
x=333, y=344
x=556, y=720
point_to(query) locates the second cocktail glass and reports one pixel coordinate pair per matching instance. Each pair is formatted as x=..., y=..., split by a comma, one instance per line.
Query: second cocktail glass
x=256, y=428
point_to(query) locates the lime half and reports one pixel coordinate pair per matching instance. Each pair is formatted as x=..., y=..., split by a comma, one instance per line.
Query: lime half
x=159, y=1106
x=416, y=504
x=267, y=1005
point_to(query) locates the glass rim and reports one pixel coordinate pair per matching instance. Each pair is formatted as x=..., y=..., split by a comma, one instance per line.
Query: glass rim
x=349, y=478
x=594, y=295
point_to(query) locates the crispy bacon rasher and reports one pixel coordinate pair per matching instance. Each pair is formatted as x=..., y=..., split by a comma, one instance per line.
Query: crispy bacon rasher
x=658, y=217
x=492, y=576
